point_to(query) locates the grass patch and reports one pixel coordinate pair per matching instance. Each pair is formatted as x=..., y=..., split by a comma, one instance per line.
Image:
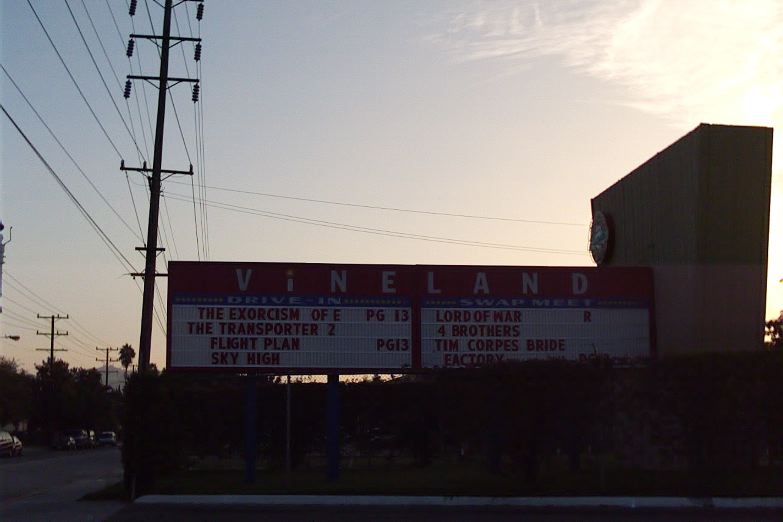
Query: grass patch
x=475, y=480
x=112, y=492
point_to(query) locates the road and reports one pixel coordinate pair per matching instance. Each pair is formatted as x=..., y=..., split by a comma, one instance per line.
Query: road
x=46, y=485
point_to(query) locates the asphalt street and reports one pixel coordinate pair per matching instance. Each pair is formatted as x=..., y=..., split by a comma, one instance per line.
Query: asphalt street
x=47, y=485
x=44, y=484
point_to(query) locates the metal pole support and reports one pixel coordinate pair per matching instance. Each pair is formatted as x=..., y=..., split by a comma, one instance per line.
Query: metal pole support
x=251, y=429
x=333, y=427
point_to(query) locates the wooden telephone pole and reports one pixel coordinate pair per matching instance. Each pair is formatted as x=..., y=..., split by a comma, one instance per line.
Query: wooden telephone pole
x=52, y=334
x=163, y=80
x=108, y=360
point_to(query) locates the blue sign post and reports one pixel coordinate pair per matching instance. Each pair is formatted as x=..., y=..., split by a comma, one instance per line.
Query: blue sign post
x=333, y=426
x=251, y=429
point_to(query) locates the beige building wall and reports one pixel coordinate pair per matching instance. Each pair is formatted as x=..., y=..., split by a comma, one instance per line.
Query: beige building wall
x=698, y=213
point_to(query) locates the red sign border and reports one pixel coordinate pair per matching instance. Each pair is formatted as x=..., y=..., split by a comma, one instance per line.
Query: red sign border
x=645, y=272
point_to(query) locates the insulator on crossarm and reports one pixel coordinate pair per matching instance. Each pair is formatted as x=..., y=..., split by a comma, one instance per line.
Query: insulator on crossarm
x=132, y=7
x=200, y=12
x=131, y=45
x=197, y=53
x=195, y=93
x=126, y=94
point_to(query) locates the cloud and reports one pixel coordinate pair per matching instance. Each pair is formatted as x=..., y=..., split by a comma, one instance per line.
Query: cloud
x=717, y=61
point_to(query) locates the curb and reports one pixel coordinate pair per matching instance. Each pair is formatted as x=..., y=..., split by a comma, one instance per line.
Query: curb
x=509, y=502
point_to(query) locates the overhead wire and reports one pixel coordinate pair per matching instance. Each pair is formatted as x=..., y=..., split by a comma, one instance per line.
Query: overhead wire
x=20, y=305
x=199, y=140
x=392, y=209
x=173, y=239
x=84, y=40
x=167, y=218
x=195, y=221
x=17, y=326
x=30, y=294
x=200, y=110
x=67, y=153
x=34, y=326
x=117, y=79
x=171, y=98
x=103, y=80
x=198, y=152
x=101, y=233
x=20, y=318
x=135, y=91
x=141, y=122
x=179, y=125
x=378, y=231
x=76, y=84
x=35, y=298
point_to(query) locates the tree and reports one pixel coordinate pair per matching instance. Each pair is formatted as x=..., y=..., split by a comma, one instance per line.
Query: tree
x=16, y=392
x=774, y=332
x=54, y=397
x=127, y=353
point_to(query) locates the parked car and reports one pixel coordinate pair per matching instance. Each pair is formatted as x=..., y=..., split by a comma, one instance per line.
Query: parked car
x=64, y=442
x=18, y=446
x=107, y=438
x=8, y=444
x=81, y=438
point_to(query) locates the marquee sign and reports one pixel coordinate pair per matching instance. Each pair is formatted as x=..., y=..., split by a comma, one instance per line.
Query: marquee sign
x=319, y=318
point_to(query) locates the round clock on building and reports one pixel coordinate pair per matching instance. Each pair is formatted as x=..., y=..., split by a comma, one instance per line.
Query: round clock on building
x=600, y=237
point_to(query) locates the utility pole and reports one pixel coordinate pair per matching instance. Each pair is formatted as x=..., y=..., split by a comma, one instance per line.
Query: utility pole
x=151, y=248
x=49, y=397
x=108, y=361
x=52, y=334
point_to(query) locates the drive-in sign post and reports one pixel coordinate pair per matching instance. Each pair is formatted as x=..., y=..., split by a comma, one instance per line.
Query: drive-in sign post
x=321, y=318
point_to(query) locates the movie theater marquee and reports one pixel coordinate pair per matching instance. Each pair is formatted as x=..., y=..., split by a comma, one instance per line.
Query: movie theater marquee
x=318, y=318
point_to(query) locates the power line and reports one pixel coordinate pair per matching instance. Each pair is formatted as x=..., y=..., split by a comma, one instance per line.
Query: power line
x=174, y=107
x=103, y=81
x=20, y=318
x=379, y=231
x=116, y=78
x=37, y=299
x=171, y=229
x=195, y=221
x=104, y=237
x=17, y=326
x=143, y=84
x=20, y=305
x=67, y=153
x=100, y=42
x=199, y=108
x=135, y=92
x=199, y=148
x=141, y=119
x=76, y=348
x=135, y=209
x=75, y=83
x=116, y=25
x=393, y=209
x=171, y=97
x=202, y=164
x=151, y=248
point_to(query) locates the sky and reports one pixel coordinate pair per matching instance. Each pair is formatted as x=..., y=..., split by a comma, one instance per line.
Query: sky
x=519, y=110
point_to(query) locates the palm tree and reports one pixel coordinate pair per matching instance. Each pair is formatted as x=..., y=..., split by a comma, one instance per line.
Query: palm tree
x=127, y=353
